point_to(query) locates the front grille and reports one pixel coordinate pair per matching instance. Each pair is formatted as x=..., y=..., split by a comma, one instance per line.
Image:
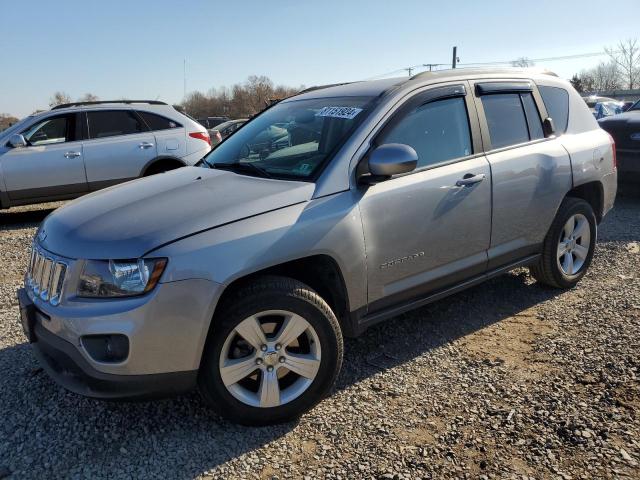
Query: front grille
x=45, y=275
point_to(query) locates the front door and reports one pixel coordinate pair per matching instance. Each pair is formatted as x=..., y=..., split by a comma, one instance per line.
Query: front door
x=430, y=228
x=51, y=165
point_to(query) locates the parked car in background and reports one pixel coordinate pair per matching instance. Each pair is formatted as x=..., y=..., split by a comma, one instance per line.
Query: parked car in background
x=625, y=130
x=363, y=201
x=592, y=100
x=211, y=122
x=225, y=129
x=626, y=105
x=607, y=109
x=81, y=147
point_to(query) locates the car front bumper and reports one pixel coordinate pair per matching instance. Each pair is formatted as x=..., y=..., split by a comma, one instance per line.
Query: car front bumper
x=166, y=332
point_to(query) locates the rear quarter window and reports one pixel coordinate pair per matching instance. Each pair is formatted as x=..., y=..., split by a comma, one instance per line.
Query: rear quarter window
x=158, y=122
x=556, y=100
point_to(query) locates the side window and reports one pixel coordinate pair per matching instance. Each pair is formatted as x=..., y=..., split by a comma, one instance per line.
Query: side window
x=438, y=131
x=51, y=130
x=506, y=119
x=556, y=100
x=533, y=116
x=109, y=123
x=158, y=122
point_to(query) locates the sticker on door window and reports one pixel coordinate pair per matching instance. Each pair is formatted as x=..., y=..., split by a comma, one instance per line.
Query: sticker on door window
x=339, y=112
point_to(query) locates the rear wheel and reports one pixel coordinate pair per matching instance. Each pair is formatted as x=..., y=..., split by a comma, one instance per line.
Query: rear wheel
x=569, y=245
x=274, y=354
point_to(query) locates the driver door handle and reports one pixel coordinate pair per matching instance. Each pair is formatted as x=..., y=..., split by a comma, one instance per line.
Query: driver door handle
x=470, y=180
x=144, y=145
x=72, y=154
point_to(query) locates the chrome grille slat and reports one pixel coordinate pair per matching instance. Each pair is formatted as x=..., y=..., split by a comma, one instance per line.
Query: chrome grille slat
x=45, y=275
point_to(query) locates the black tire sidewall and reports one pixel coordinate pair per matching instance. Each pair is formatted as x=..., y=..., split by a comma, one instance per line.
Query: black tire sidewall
x=331, y=358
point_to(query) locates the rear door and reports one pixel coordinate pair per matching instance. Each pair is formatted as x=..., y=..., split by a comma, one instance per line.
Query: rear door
x=530, y=173
x=51, y=165
x=169, y=134
x=118, y=148
x=425, y=230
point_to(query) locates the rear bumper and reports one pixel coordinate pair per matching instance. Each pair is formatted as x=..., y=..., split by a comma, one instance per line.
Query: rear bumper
x=628, y=165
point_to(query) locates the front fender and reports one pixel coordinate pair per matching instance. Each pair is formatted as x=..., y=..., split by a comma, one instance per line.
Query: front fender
x=326, y=226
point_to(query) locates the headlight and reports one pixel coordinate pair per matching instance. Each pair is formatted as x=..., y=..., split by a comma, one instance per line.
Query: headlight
x=120, y=278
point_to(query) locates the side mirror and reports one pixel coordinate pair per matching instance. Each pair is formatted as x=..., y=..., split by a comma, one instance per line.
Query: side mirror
x=16, y=141
x=548, y=127
x=392, y=159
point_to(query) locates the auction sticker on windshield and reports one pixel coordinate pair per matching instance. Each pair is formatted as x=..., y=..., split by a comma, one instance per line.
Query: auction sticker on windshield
x=339, y=112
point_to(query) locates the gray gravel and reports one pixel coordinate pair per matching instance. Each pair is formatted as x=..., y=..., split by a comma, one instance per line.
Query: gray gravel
x=507, y=380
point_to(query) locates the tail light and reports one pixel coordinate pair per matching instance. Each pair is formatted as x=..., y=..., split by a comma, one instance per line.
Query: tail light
x=201, y=136
x=613, y=151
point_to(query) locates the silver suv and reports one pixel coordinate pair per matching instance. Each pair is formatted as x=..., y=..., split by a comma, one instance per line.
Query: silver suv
x=77, y=148
x=329, y=212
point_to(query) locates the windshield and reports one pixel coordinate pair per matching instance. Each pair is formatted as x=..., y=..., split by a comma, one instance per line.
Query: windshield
x=635, y=106
x=291, y=139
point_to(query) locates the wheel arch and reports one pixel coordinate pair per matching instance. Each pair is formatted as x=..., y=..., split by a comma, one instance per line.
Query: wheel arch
x=321, y=272
x=593, y=194
x=159, y=160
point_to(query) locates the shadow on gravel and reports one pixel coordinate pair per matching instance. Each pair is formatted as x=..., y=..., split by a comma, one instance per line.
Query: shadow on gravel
x=180, y=437
x=18, y=219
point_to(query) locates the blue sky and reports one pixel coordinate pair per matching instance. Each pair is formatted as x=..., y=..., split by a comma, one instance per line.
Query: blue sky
x=136, y=48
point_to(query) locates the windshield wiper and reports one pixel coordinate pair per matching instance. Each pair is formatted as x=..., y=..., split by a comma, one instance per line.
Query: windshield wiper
x=243, y=168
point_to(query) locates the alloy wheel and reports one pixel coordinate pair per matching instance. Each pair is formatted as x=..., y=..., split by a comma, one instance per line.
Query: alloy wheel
x=574, y=244
x=270, y=358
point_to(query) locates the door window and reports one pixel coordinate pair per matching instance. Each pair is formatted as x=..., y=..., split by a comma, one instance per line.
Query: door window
x=512, y=118
x=109, y=123
x=51, y=130
x=438, y=131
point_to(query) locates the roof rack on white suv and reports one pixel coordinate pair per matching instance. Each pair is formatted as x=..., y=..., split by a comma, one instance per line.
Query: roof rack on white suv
x=99, y=102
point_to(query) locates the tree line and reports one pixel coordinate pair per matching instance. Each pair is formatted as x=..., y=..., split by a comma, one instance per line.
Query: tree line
x=621, y=71
x=238, y=101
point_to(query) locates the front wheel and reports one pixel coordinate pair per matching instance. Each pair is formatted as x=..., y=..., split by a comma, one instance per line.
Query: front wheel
x=274, y=351
x=569, y=245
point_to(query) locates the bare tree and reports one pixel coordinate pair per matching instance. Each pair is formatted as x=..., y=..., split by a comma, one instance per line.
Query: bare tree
x=603, y=77
x=240, y=100
x=89, y=97
x=627, y=60
x=59, y=98
x=6, y=120
x=523, y=62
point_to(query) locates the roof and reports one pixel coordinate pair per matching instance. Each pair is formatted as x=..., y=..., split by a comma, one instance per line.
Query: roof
x=373, y=88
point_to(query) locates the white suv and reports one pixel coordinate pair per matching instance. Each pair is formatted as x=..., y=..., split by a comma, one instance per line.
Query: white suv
x=80, y=147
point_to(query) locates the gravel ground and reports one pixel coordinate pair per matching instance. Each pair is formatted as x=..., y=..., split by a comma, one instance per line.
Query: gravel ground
x=506, y=380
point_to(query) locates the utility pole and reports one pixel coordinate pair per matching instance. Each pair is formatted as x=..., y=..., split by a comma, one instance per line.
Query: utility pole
x=184, y=77
x=430, y=65
x=409, y=69
x=455, y=57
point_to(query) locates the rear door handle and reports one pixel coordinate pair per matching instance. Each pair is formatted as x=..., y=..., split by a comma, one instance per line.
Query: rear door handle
x=144, y=145
x=72, y=154
x=470, y=179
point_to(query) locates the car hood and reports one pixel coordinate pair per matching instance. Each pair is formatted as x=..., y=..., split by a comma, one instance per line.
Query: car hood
x=129, y=220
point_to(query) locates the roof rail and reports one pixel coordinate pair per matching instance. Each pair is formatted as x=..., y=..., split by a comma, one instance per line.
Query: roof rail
x=99, y=102
x=498, y=69
x=319, y=87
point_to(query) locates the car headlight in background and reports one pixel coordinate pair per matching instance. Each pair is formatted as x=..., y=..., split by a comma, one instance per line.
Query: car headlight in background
x=120, y=278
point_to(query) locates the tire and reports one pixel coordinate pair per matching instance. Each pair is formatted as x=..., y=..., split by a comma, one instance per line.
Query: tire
x=276, y=303
x=554, y=269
